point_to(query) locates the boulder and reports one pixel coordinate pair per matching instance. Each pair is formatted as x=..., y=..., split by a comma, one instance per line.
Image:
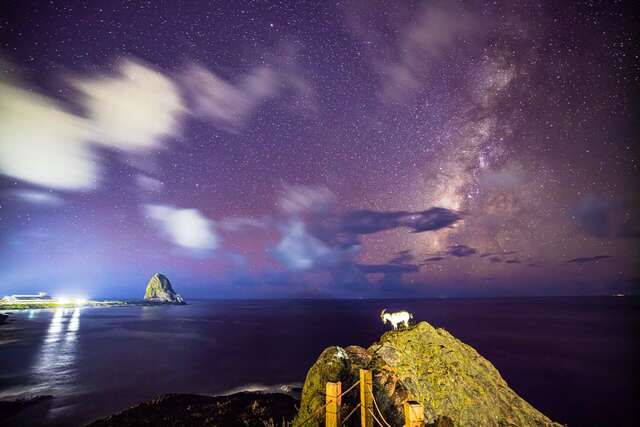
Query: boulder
x=455, y=384
x=160, y=291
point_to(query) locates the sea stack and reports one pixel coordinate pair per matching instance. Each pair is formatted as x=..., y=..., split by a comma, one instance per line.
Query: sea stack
x=160, y=291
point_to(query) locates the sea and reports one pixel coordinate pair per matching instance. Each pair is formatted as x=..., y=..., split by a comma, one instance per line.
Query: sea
x=576, y=359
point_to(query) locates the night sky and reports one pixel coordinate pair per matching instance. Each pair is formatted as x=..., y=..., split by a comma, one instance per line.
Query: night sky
x=314, y=149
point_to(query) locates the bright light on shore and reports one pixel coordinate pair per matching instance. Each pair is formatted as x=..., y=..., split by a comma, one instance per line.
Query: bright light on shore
x=74, y=301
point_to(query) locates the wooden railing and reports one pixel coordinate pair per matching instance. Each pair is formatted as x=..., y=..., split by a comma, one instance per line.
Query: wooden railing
x=369, y=408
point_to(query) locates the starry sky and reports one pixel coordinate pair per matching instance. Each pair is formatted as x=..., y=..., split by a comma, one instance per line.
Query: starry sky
x=319, y=149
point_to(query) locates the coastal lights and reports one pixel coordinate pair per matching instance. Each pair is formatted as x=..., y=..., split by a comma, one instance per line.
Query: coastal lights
x=71, y=301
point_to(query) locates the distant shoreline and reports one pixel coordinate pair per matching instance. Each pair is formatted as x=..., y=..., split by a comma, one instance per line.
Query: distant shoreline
x=4, y=307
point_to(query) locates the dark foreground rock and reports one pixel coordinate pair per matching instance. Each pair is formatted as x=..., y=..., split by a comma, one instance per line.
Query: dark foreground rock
x=160, y=291
x=455, y=384
x=239, y=409
x=3, y=318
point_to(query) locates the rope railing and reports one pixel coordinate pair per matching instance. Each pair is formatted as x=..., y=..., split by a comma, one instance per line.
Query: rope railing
x=353, y=411
x=413, y=410
x=378, y=408
x=350, y=388
x=375, y=418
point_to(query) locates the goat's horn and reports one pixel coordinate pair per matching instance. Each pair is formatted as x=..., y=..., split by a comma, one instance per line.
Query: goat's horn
x=382, y=312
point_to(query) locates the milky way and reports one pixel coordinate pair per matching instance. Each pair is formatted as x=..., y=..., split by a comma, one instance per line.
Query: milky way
x=319, y=149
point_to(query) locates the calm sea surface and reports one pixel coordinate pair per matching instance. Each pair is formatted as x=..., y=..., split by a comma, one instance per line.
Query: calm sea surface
x=575, y=359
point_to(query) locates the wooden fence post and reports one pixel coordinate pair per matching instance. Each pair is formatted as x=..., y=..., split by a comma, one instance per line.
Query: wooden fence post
x=334, y=401
x=366, y=398
x=413, y=414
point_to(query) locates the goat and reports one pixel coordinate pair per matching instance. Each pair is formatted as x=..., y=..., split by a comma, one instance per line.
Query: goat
x=396, y=318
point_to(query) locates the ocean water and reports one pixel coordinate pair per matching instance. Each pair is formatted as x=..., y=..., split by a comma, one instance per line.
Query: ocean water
x=575, y=359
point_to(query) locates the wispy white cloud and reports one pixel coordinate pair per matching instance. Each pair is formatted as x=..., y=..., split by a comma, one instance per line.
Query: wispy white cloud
x=149, y=183
x=37, y=197
x=43, y=144
x=301, y=250
x=229, y=104
x=186, y=228
x=404, y=62
x=242, y=223
x=303, y=198
x=134, y=109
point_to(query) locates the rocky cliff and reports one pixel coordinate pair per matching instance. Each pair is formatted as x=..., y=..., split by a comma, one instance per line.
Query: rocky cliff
x=159, y=290
x=241, y=409
x=455, y=384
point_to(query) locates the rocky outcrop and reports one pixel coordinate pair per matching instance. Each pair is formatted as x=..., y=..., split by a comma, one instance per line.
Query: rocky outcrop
x=455, y=384
x=160, y=291
x=3, y=318
x=240, y=409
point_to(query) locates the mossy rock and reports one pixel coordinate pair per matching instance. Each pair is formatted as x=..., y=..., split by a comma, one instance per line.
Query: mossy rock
x=159, y=290
x=455, y=384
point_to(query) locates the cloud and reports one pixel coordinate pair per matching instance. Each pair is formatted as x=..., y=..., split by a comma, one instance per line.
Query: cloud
x=368, y=221
x=495, y=259
x=43, y=144
x=434, y=259
x=134, y=109
x=300, y=250
x=405, y=60
x=589, y=260
x=602, y=217
x=297, y=199
x=242, y=223
x=388, y=268
x=461, y=251
x=594, y=215
x=38, y=197
x=149, y=183
x=230, y=104
x=513, y=261
x=403, y=257
x=432, y=219
x=187, y=228
x=491, y=254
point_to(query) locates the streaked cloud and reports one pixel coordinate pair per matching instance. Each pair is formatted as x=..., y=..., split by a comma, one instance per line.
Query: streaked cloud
x=44, y=143
x=45, y=198
x=229, y=104
x=589, y=259
x=186, y=228
x=133, y=109
x=41, y=143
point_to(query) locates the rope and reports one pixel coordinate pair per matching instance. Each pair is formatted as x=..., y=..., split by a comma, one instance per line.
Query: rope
x=350, y=388
x=375, y=418
x=350, y=413
x=373, y=397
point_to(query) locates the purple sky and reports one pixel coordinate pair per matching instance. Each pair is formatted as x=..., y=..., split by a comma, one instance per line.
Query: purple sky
x=350, y=149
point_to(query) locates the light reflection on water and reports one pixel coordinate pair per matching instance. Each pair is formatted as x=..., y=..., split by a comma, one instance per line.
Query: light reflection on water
x=54, y=367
